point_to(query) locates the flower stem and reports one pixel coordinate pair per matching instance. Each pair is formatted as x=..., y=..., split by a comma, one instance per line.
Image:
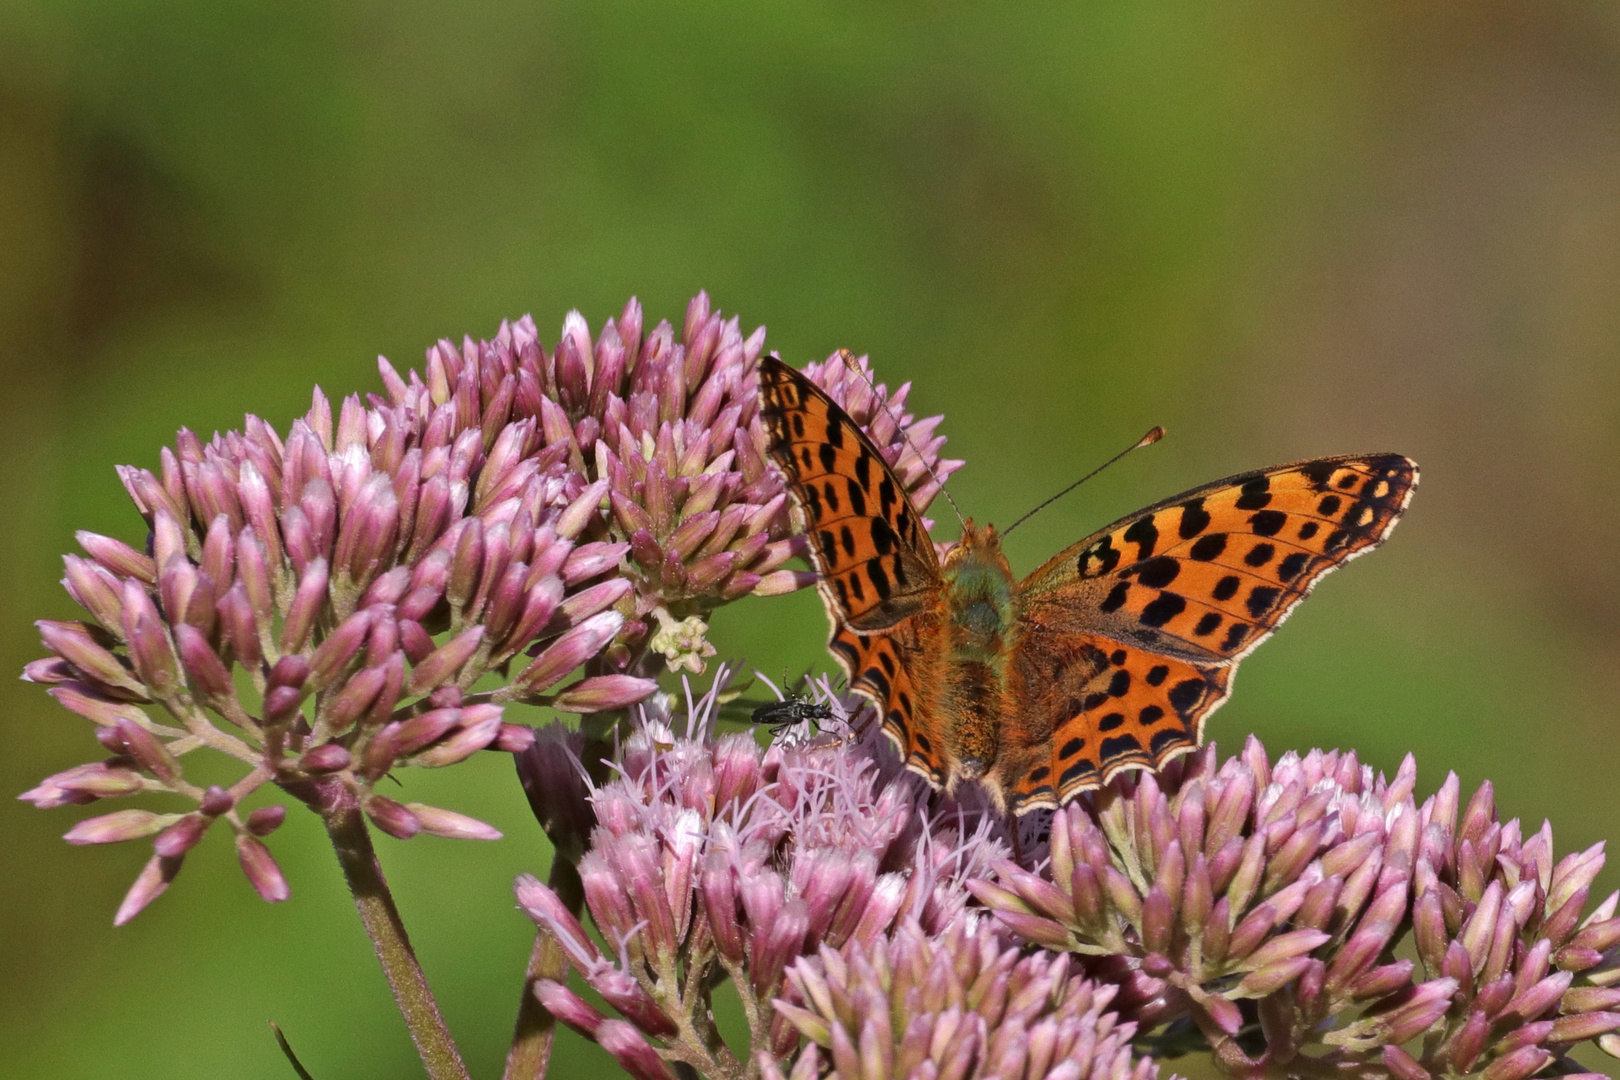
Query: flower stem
x=532, y=1036
x=352, y=842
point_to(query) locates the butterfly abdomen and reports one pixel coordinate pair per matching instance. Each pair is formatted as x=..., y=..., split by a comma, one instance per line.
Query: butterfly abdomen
x=980, y=599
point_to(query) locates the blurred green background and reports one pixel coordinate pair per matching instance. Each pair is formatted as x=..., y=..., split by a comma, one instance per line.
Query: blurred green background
x=1281, y=231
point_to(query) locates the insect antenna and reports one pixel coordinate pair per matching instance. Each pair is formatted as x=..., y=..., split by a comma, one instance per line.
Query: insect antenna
x=1149, y=439
x=848, y=359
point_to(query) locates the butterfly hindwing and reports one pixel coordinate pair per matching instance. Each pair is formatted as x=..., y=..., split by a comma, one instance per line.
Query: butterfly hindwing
x=1208, y=575
x=1092, y=708
x=891, y=671
x=876, y=562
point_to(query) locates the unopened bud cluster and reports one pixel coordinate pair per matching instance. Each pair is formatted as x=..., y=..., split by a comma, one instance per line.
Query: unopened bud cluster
x=665, y=432
x=966, y=1003
x=1280, y=895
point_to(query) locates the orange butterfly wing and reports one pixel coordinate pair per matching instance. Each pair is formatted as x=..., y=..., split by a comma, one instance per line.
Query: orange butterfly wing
x=879, y=576
x=1172, y=597
x=867, y=541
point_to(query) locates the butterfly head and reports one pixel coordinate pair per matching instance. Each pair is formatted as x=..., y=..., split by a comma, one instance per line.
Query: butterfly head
x=978, y=546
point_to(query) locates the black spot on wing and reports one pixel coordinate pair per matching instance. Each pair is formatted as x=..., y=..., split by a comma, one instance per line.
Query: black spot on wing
x=1319, y=473
x=1098, y=559
x=1111, y=721
x=1186, y=694
x=828, y=456
x=879, y=578
x=1145, y=535
x=857, y=498
x=1194, y=518
x=1227, y=587
x=1261, y=600
x=1115, y=599
x=1081, y=773
x=1120, y=746
x=1071, y=748
x=1255, y=495
x=1119, y=684
x=1158, y=572
x=1168, y=739
x=1260, y=554
x=1290, y=567
x=1162, y=608
x=1308, y=530
x=1150, y=714
x=1208, y=547
x=1208, y=624
x=1156, y=674
x=1234, y=636
x=1268, y=522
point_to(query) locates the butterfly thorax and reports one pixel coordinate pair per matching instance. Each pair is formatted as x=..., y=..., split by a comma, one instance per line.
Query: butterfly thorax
x=980, y=598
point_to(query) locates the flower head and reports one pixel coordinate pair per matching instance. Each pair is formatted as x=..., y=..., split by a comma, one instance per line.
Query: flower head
x=713, y=857
x=964, y=1003
x=664, y=430
x=319, y=607
x=1278, y=893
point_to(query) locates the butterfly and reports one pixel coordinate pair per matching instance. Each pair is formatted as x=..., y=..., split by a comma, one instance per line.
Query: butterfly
x=1108, y=658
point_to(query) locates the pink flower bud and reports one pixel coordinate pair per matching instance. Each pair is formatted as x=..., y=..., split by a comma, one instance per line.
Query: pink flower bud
x=307, y=602
x=149, y=753
x=118, y=826
x=450, y=824
x=633, y=1053
x=392, y=818
x=118, y=557
x=442, y=664
x=74, y=643
x=569, y=651
x=549, y=912
x=598, y=597
x=149, y=885
x=603, y=693
x=216, y=801
x=326, y=758
x=261, y=869
x=334, y=654
x=477, y=728
x=266, y=820
x=568, y=1007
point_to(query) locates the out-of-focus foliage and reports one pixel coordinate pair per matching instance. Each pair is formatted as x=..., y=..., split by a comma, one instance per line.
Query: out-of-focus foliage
x=1281, y=232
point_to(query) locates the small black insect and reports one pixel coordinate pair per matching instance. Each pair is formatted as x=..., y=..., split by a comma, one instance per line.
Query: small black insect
x=791, y=710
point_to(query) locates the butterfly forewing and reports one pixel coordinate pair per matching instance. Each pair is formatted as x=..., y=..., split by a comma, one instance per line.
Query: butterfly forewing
x=876, y=563
x=1211, y=573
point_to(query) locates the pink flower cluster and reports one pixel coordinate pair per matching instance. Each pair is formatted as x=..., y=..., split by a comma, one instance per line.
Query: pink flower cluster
x=715, y=858
x=1280, y=896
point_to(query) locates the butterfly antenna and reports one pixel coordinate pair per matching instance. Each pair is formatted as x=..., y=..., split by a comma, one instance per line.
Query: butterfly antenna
x=1149, y=439
x=848, y=359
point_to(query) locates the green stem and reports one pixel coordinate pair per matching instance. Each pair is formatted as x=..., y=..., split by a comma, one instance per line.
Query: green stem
x=352, y=842
x=532, y=1037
